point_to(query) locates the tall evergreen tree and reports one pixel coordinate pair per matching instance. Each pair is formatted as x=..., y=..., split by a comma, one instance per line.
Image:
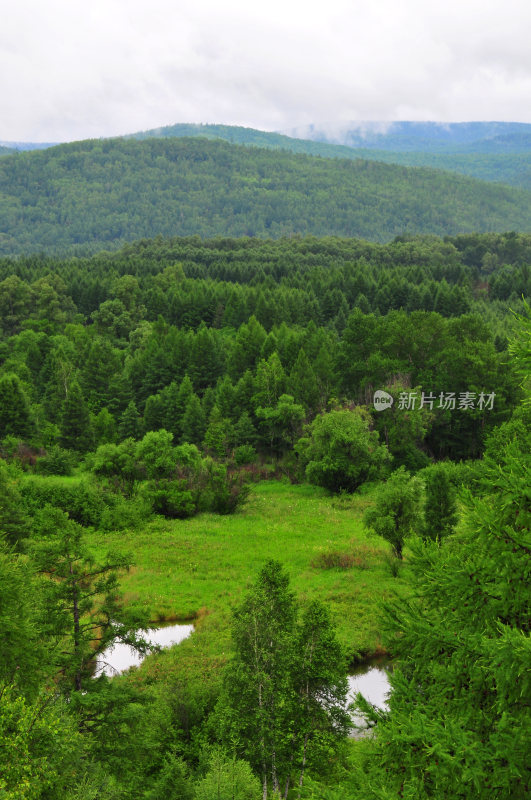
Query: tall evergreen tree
x=130, y=423
x=76, y=428
x=440, y=507
x=16, y=418
x=193, y=422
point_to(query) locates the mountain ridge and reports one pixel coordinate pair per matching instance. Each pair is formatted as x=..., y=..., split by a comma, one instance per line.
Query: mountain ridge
x=101, y=193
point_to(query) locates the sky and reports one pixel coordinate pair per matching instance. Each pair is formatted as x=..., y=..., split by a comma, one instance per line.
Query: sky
x=74, y=70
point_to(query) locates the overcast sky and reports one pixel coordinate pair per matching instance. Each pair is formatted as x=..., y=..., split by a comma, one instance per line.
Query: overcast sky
x=73, y=70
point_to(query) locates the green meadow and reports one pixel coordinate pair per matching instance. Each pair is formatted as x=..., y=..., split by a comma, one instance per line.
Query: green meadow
x=198, y=568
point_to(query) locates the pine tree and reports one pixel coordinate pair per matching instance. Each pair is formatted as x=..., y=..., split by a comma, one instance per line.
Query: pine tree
x=219, y=434
x=81, y=598
x=244, y=430
x=14, y=525
x=193, y=422
x=76, y=429
x=15, y=413
x=460, y=694
x=154, y=416
x=130, y=423
x=303, y=382
x=440, y=508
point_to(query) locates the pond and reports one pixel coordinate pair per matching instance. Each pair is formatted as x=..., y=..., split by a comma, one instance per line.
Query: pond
x=119, y=657
x=372, y=681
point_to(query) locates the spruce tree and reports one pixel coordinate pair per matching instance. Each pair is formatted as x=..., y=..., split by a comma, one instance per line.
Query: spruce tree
x=16, y=418
x=130, y=423
x=303, y=382
x=76, y=428
x=193, y=422
x=440, y=508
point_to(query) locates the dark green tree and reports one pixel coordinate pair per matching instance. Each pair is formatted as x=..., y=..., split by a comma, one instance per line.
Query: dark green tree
x=16, y=418
x=397, y=510
x=340, y=452
x=130, y=423
x=84, y=611
x=193, y=422
x=440, y=507
x=76, y=428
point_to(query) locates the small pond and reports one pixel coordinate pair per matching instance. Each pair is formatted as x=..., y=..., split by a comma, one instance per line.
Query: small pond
x=119, y=657
x=372, y=681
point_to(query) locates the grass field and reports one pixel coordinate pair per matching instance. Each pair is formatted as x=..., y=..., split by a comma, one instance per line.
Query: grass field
x=200, y=567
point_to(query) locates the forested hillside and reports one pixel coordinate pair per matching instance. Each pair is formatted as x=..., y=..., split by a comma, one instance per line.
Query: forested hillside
x=88, y=195
x=208, y=405
x=428, y=136
x=510, y=165
x=322, y=319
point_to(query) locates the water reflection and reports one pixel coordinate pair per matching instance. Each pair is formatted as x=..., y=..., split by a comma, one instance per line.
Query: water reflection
x=120, y=657
x=372, y=681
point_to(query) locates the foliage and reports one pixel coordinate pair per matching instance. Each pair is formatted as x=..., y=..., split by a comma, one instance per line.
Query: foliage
x=82, y=500
x=57, y=461
x=397, y=511
x=172, y=499
x=220, y=189
x=459, y=708
x=285, y=687
x=340, y=452
x=42, y=752
x=440, y=507
x=227, y=779
x=14, y=522
x=84, y=611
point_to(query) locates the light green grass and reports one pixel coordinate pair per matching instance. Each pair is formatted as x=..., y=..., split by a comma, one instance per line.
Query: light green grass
x=201, y=566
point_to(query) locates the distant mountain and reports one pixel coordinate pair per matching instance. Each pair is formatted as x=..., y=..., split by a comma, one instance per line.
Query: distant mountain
x=97, y=194
x=426, y=137
x=16, y=146
x=513, y=169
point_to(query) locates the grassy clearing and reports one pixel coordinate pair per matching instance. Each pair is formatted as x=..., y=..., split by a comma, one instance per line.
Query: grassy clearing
x=201, y=566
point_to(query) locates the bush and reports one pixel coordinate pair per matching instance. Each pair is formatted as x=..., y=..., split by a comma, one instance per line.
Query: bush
x=122, y=514
x=396, y=513
x=57, y=461
x=82, y=501
x=333, y=560
x=218, y=489
x=172, y=499
x=244, y=454
x=340, y=452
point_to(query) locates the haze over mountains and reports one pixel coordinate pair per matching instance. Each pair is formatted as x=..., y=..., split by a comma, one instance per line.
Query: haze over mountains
x=180, y=181
x=433, y=137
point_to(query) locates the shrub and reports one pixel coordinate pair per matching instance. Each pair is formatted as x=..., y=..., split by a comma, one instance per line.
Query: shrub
x=82, y=501
x=396, y=513
x=122, y=514
x=333, y=560
x=57, y=461
x=172, y=499
x=244, y=454
x=218, y=489
x=340, y=452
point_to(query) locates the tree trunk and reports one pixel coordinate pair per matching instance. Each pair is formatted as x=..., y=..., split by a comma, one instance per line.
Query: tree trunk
x=75, y=607
x=301, y=778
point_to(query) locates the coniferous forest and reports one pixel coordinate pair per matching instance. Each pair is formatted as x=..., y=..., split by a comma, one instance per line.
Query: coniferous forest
x=189, y=432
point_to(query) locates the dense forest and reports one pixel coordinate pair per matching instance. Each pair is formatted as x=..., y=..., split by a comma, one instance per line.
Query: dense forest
x=85, y=196
x=509, y=164
x=182, y=381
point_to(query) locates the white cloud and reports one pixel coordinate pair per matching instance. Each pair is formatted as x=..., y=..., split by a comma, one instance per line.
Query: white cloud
x=73, y=70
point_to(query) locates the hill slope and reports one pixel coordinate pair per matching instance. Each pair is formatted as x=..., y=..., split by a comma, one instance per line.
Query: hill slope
x=432, y=137
x=96, y=194
x=473, y=159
